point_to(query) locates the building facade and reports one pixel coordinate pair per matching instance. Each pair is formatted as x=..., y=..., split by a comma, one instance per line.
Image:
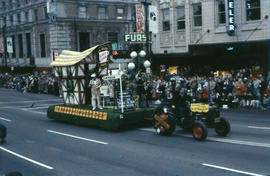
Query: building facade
x=199, y=29
x=40, y=29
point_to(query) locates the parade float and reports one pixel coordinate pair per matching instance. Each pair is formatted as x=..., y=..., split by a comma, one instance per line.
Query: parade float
x=83, y=73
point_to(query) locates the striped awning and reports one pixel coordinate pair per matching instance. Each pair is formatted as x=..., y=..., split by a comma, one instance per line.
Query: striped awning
x=67, y=57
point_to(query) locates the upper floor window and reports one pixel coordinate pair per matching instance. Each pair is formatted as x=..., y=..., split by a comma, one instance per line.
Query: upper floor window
x=11, y=3
x=82, y=12
x=101, y=12
x=197, y=15
x=253, y=10
x=18, y=3
x=11, y=20
x=36, y=14
x=120, y=13
x=45, y=11
x=221, y=12
x=4, y=5
x=113, y=37
x=26, y=14
x=19, y=18
x=4, y=21
x=180, y=18
x=166, y=19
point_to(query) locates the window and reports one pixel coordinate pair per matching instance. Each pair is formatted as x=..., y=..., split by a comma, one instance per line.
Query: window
x=20, y=40
x=42, y=45
x=18, y=3
x=4, y=5
x=36, y=14
x=28, y=44
x=26, y=14
x=19, y=18
x=11, y=20
x=166, y=19
x=253, y=10
x=180, y=18
x=84, y=40
x=14, y=46
x=82, y=12
x=4, y=21
x=120, y=13
x=113, y=37
x=221, y=12
x=197, y=15
x=10, y=3
x=46, y=16
x=101, y=12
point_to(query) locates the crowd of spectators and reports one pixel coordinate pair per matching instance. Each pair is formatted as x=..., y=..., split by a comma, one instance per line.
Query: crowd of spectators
x=38, y=83
x=245, y=88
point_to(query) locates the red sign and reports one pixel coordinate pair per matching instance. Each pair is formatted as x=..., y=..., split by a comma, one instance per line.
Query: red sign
x=140, y=17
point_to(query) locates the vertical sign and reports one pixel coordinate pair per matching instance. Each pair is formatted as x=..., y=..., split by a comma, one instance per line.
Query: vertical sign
x=9, y=45
x=1, y=45
x=153, y=19
x=230, y=17
x=140, y=18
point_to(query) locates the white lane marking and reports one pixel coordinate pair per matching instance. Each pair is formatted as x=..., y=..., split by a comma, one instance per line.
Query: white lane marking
x=232, y=170
x=1, y=118
x=77, y=137
x=29, y=110
x=254, y=144
x=31, y=101
x=262, y=128
x=27, y=159
x=40, y=107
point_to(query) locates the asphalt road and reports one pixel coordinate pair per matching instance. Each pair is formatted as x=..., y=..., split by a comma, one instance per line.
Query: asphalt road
x=38, y=146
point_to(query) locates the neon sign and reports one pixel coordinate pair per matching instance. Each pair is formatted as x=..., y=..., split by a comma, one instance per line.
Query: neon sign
x=230, y=17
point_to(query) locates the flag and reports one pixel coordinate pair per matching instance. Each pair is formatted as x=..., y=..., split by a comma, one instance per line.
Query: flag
x=153, y=19
x=9, y=45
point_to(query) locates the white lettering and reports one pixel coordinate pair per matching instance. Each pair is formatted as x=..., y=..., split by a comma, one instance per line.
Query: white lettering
x=139, y=38
x=231, y=5
x=231, y=28
x=127, y=38
x=231, y=20
x=231, y=12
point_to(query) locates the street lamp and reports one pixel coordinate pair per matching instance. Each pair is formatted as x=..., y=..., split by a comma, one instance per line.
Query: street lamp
x=134, y=55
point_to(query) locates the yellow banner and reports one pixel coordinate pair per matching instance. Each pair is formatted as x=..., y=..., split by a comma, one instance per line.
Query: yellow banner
x=81, y=112
x=198, y=107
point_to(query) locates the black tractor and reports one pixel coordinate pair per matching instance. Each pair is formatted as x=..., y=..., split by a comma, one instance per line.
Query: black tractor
x=198, y=117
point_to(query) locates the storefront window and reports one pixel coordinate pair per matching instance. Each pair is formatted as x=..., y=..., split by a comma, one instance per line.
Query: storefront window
x=180, y=18
x=197, y=15
x=221, y=12
x=166, y=19
x=253, y=10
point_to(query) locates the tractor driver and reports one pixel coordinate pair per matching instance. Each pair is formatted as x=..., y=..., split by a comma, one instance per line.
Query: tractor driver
x=180, y=102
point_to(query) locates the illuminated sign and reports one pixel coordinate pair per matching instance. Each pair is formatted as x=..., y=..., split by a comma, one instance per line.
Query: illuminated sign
x=136, y=38
x=230, y=17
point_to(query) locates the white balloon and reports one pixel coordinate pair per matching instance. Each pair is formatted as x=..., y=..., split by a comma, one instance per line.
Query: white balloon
x=131, y=66
x=146, y=64
x=133, y=54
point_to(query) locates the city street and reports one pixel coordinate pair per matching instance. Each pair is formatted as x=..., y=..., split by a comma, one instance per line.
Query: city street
x=38, y=146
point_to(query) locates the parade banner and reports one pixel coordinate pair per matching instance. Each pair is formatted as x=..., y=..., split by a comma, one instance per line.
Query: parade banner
x=9, y=45
x=153, y=19
x=140, y=18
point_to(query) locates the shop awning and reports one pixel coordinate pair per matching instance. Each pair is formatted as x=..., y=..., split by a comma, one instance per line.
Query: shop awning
x=67, y=57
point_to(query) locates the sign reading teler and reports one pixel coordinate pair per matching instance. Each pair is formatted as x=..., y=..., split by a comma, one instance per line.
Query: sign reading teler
x=135, y=38
x=230, y=17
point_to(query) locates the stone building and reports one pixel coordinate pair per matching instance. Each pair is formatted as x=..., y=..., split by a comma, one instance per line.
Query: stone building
x=39, y=28
x=196, y=32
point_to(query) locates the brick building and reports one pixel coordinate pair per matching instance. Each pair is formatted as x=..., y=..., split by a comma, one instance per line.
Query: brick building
x=196, y=31
x=40, y=27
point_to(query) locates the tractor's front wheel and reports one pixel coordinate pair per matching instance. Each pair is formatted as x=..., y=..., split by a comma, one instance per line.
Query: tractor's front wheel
x=164, y=123
x=199, y=131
